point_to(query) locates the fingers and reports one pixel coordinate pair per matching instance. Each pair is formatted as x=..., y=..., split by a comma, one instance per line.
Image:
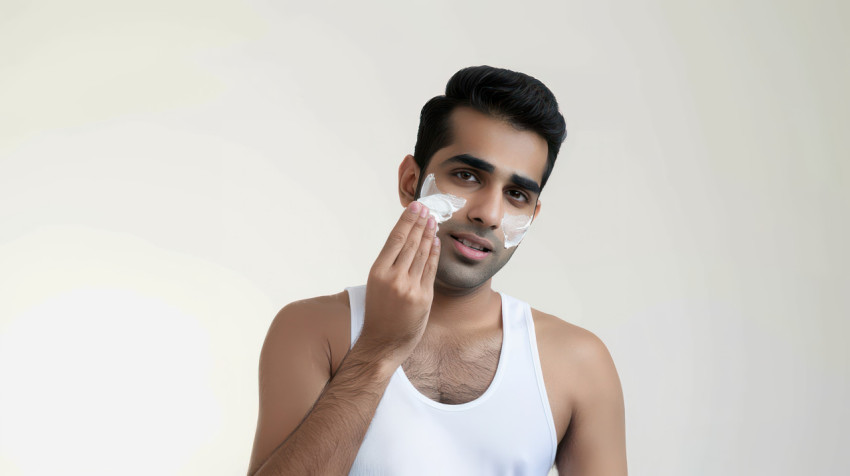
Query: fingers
x=398, y=236
x=405, y=256
x=424, y=250
x=431, y=263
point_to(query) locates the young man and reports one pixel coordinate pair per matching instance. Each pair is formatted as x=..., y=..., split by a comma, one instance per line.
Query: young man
x=426, y=369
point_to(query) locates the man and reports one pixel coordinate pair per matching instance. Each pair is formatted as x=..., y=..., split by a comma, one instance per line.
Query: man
x=426, y=369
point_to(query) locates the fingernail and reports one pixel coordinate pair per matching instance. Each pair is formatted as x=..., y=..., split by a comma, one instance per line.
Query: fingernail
x=431, y=223
x=424, y=212
x=436, y=241
x=414, y=207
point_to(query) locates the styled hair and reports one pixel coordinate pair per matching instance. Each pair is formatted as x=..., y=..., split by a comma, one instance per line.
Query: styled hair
x=516, y=98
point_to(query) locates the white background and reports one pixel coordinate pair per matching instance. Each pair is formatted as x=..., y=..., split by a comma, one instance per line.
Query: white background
x=174, y=172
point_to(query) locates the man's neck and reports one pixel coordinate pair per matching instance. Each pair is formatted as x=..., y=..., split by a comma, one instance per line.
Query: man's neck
x=476, y=310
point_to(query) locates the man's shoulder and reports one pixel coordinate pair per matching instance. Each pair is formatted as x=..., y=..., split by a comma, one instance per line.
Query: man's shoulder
x=317, y=308
x=574, y=349
x=311, y=317
x=317, y=325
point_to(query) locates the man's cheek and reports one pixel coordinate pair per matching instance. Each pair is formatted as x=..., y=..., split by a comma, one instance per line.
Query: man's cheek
x=441, y=205
x=514, y=228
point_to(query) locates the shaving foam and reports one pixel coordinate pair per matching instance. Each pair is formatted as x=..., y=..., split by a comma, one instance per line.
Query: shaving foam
x=440, y=205
x=515, y=227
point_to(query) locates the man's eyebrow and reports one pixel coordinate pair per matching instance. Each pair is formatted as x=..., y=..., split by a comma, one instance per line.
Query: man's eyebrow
x=473, y=162
x=526, y=183
x=481, y=164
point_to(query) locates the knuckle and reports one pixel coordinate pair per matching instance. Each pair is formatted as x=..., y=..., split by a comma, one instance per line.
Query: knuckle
x=397, y=288
x=397, y=237
x=408, y=218
x=430, y=269
x=376, y=273
x=412, y=296
x=421, y=254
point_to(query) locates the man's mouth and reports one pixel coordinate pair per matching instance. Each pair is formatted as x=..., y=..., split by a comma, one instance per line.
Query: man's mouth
x=471, y=247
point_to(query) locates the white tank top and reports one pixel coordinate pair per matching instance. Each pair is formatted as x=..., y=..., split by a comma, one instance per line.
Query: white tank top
x=508, y=430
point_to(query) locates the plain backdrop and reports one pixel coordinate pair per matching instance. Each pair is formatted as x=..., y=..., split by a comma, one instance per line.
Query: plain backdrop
x=173, y=172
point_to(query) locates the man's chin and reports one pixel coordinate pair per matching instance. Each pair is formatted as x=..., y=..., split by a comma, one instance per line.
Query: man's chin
x=453, y=279
x=456, y=289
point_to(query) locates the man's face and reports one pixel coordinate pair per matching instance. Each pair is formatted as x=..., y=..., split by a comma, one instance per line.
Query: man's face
x=498, y=170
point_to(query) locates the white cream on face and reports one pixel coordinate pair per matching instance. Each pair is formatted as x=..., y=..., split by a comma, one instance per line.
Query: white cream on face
x=515, y=227
x=441, y=205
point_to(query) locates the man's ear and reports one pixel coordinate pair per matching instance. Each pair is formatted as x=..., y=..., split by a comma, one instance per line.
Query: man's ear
x=537, y=209
x=408, y=179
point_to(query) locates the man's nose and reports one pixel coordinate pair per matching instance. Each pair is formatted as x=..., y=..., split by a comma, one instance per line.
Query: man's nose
x=485, y=208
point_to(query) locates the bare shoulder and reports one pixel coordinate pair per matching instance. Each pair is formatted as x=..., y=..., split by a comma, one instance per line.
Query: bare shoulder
x=316, y=311
x=576, y=366
x=576, y=345
x=321, y=320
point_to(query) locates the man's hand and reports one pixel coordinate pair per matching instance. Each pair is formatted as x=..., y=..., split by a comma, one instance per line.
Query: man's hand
x=400, y=287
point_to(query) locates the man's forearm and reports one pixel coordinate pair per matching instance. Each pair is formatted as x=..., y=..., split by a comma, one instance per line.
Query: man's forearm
x=327, y=440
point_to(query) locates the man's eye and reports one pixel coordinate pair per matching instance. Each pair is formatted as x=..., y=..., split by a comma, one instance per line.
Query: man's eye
x=517, y=195
x=466, y=176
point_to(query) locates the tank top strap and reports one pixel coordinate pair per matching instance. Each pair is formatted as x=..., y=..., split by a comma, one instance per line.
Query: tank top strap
x=357, y=301
x=514, y=310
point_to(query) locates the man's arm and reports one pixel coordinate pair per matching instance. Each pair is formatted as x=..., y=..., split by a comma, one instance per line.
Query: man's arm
x=595, y=442
x=399, y=293
x=296, y=364
x=327, y=439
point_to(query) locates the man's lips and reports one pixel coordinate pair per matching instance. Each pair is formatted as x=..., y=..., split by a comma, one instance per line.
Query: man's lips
x=473, y=241
x=471, y=246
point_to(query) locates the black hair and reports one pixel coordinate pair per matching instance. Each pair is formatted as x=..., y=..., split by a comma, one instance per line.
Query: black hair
x=516, y=98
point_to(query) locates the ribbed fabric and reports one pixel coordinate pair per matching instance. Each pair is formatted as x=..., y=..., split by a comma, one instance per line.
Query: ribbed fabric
x=508, y=430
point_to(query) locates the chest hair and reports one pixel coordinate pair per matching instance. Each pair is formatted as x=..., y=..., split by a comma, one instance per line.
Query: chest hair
x=453, y=370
